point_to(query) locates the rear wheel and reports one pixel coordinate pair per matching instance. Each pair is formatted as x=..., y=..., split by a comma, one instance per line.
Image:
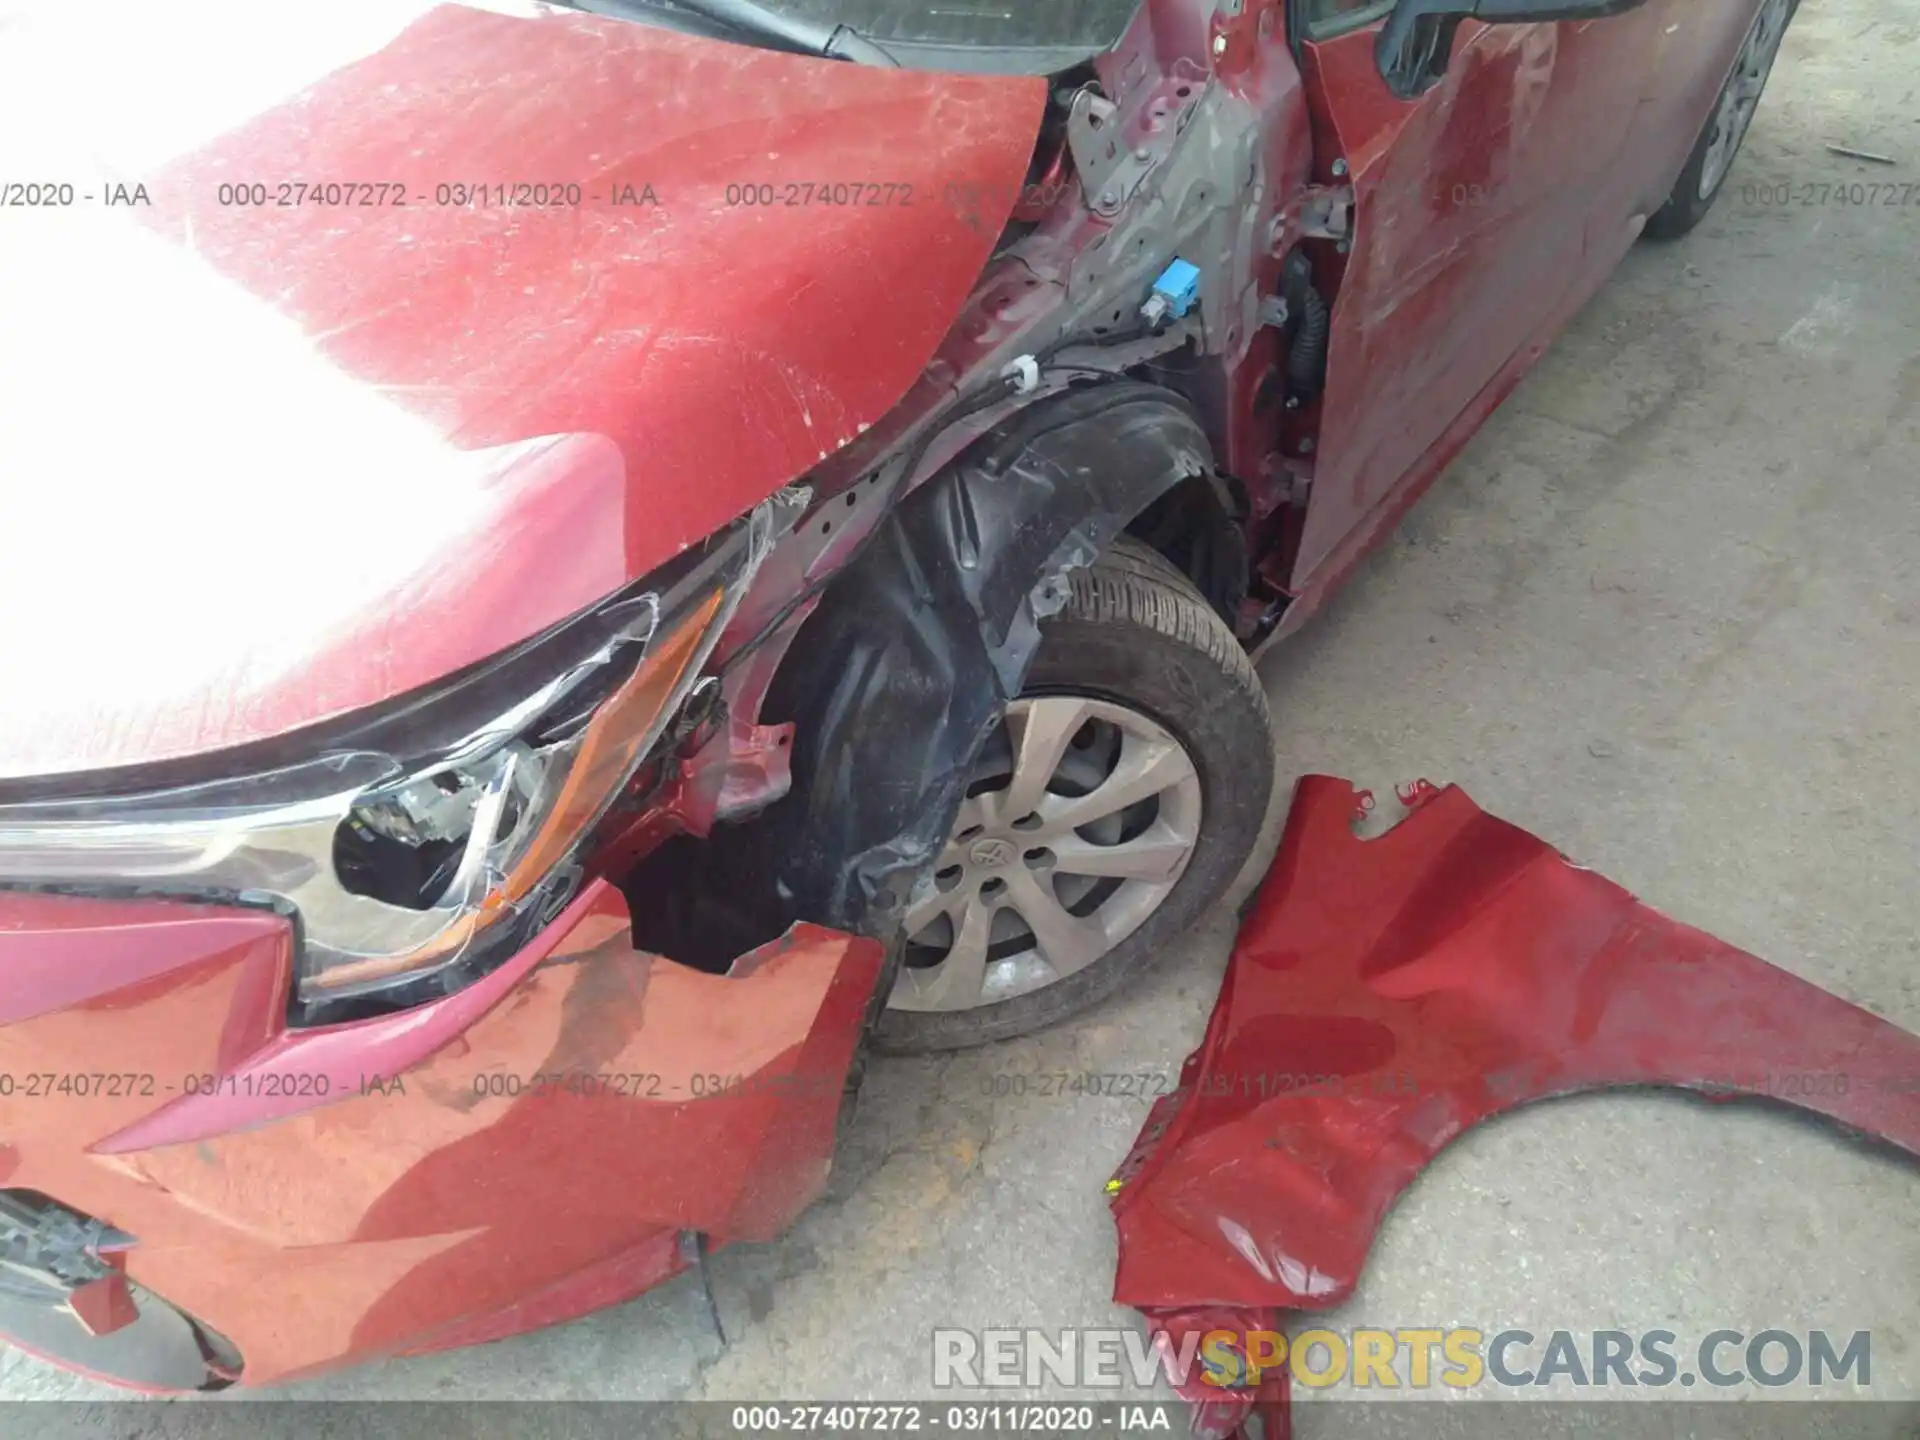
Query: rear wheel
x=1119, y=799
x=1712, y=158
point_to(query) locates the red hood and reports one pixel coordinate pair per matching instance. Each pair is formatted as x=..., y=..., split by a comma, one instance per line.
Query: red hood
x=265, y=464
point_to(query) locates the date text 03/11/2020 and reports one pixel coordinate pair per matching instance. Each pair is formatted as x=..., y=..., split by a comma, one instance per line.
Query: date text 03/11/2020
x=584, y=1084
x=990, y=1418
x=454, y=194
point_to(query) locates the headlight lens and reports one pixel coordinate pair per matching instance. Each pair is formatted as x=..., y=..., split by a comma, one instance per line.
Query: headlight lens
x=416, y=843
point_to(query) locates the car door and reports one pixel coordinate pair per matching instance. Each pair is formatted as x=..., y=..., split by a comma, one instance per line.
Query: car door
x=1472, y=208
x=1697, y=47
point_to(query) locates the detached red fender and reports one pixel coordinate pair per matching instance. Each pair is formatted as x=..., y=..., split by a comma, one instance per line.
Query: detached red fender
x=1386, y=994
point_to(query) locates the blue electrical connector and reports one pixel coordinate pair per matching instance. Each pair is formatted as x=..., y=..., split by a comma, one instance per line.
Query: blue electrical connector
x=1178, y=286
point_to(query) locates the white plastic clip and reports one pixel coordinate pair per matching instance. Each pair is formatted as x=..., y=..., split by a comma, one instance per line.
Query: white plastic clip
x=1024, y=372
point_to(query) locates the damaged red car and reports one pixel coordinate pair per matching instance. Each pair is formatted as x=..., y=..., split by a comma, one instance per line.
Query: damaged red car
x=570, y=571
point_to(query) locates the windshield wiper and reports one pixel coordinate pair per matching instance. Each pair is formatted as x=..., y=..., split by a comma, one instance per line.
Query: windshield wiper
x=751, y=19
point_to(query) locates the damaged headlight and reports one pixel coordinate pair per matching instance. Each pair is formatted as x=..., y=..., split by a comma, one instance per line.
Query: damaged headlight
x=417, y=842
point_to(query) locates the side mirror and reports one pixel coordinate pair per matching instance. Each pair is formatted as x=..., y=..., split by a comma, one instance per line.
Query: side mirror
x=1417, y=40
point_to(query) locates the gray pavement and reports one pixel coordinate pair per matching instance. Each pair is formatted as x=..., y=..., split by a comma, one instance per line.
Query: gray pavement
x=1665, y=612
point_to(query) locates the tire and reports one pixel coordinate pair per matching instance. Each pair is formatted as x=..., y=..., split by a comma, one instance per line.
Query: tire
x=1687, y=206
x=1136, y=633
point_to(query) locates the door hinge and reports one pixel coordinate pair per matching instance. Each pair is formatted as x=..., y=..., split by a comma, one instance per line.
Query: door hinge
x=1318, y=212
x=1108, y=167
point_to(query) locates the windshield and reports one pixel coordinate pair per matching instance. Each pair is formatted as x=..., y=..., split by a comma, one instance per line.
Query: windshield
x=1068, y=31
x=1034, y=37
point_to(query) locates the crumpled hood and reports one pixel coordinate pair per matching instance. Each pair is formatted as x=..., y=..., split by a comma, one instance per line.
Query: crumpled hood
x=275, y=452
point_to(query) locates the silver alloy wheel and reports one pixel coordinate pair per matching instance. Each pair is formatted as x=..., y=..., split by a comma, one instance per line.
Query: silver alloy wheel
x=1080, y=820
x=1741, y=97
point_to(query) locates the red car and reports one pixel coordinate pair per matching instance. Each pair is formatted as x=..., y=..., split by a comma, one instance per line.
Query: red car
x=634, y=556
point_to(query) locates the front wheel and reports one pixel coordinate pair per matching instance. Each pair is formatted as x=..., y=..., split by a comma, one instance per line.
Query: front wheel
x=1122, y=794
x=1712, y=158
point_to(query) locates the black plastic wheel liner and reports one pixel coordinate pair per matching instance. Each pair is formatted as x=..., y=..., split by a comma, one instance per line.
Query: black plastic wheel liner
x=902, y=673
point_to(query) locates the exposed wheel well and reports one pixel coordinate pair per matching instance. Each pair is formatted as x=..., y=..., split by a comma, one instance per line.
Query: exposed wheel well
x=1193, y=527
x=919, y=643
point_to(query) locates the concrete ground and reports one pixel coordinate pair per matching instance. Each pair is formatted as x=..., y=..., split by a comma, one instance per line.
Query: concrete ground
x=1665, y=612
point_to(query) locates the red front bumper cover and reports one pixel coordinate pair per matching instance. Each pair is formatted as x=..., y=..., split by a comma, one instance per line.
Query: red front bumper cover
x=529, y=1149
